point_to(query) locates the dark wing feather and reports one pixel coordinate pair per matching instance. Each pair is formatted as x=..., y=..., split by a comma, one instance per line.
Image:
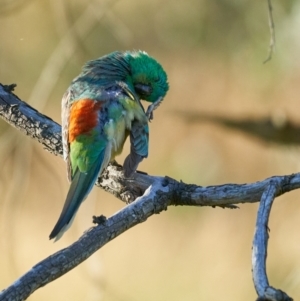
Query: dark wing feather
x=139, y=140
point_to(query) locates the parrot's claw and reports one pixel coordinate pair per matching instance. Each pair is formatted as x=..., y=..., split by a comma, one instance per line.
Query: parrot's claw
x=99, y=219
x=152, y=107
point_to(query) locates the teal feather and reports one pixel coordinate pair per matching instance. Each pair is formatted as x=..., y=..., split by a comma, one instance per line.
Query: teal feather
x=139, y=136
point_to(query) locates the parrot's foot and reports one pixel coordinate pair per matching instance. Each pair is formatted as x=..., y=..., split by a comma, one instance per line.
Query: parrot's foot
x=152, y=107
x=99, y=219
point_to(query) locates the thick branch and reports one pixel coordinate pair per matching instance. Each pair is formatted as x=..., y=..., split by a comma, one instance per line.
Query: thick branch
x=162, y=193
x=154, y=194
x=63, y=261
x=29, y=121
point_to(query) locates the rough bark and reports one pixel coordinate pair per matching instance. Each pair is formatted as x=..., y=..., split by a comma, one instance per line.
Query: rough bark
x=147, y=195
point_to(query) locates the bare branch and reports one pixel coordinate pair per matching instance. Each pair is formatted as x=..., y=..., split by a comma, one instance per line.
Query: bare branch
x=151, y=195
x=260, y=243
x=63, y=261
x=29, y=121
x=272, y=32
x=260, y=246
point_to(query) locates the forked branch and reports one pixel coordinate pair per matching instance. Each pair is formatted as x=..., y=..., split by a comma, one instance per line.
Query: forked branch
x=151, y=195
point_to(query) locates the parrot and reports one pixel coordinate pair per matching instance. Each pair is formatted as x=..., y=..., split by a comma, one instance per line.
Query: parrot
x=100, y=109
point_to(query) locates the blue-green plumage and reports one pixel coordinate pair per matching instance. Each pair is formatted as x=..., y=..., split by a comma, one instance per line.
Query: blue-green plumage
x=100, y=108
x=81, y=185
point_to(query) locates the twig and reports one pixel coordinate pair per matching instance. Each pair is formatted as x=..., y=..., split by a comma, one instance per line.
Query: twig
x=272, y=32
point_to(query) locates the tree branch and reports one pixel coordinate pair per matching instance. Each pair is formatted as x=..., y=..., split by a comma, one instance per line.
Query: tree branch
x=152, y=195
x=260, y=244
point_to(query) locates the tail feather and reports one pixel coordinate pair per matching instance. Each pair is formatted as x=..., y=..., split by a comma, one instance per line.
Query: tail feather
x=82, y=184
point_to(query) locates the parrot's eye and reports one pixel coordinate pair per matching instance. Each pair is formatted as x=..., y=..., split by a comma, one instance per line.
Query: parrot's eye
x=143, y=89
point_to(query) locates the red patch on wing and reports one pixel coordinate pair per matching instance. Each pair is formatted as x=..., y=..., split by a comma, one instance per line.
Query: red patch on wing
x=83, y=117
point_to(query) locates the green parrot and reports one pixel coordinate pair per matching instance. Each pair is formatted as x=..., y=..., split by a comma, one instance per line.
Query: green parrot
x=100, y=109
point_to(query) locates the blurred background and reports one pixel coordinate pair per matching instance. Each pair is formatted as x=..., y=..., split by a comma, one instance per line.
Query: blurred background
x=228, y=118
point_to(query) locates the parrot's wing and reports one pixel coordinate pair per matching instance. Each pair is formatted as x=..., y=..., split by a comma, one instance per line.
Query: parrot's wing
x=139, y=140
x=65, y=114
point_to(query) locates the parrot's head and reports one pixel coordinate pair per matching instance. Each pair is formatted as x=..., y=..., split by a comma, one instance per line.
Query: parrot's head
x=149, y=79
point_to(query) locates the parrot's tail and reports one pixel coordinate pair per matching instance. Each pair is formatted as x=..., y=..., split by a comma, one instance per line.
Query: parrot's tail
x=82, y=184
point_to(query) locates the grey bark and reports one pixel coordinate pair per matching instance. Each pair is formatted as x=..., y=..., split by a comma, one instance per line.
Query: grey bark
x=147, y=195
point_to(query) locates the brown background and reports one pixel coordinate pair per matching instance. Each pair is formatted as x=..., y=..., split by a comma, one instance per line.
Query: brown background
x=213, y=53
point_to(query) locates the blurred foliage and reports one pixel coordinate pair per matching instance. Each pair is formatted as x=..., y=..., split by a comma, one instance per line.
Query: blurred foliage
x=213, y=53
